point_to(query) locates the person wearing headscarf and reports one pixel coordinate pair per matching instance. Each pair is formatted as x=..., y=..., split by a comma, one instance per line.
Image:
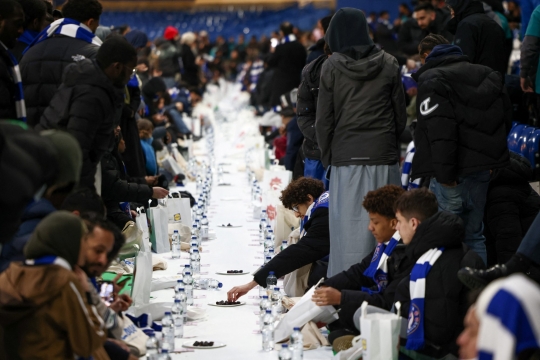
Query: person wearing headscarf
x=360, y=116
x=504, y=323
x=44, y=309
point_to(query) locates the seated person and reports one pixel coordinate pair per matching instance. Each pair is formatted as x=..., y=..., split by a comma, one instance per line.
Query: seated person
x=374, y=279
x=307, y=198
x=44, y=308
x=431, y=295
x=504, y=323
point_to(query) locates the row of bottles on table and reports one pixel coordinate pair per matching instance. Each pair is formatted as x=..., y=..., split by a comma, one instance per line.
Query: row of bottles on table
x=295, y=349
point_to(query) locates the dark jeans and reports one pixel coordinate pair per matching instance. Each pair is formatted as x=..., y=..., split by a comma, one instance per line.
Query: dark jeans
x=468, y=200
x=530, y=245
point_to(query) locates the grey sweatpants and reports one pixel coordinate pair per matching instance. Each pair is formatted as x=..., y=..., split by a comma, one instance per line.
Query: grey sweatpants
x=350, y=239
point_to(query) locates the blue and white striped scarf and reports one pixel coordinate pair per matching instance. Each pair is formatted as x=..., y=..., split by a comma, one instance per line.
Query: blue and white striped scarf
x=20, y=106
x=288, y=38
x=406, y=181
x=378, y=269
x=417, y=288
x=67, y=27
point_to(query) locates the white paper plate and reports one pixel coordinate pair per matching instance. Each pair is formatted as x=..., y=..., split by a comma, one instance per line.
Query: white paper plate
x=225, y=273
x=214, y=304
x=217, y=344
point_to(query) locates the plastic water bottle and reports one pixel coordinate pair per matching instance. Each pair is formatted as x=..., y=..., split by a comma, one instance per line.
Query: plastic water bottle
x=164, y=355
x=271, y=252
x=268, y=243
x=297, y=344
x=213, y=284
x=204, y=228
x=267, y=259
x=176, y=245
x=198, y=223
x=167, y=330
x=201, y=284
x=284, y=245
x=179, y=286
x=271, y=234
x=188, y=283
x=195, y=262
x=187, y=268
x=152, y=346
x=285, y=353
x=194, y=231
x=264, y=305
x=271, y=282
x=262, y=225
x=178, y=319
x=267, y=230
x=199, y=213
x=199, y=184
x=182, y=297
x=268, y=331
x=262, y=291
x=275, y=298
x=194, y=246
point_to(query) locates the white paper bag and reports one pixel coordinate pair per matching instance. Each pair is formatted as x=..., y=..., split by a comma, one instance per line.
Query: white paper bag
x=179, y=210
x=171, y=165
x=302, y=312
x=379, y=334
x=142, y=223
x=143, y=279
x=275, y=180
x=159, y=236
x=133, y=336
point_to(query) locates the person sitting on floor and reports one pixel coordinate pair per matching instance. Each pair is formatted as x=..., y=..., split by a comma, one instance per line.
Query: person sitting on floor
x=431, y=295
x=374, y=278
x=307, y=198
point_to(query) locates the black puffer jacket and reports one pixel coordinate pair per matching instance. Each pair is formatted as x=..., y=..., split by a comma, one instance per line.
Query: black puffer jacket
x=43, y=66
x=480, y=37
x=287, y=61
x=312, y=247
x=7, y=87
x=464, y=115
x=511, y=206
x=446, y=300
x=306, y=106
x=88, y=106
x=350, y=283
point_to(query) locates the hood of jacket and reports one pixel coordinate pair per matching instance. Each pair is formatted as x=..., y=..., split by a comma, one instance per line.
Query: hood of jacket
x=466, y=8
x=88, y=72
x=24, y=289
x=348, y=28
x=364, y=68
x=38, y=210
x=441, y=230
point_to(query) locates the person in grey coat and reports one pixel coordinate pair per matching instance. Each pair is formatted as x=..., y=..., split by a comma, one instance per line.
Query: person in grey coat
x=360, y=116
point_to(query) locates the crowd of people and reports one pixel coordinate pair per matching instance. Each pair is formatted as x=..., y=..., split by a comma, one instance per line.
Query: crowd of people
x=395, y=132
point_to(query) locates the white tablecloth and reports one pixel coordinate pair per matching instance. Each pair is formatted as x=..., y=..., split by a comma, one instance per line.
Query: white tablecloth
x=233, y=249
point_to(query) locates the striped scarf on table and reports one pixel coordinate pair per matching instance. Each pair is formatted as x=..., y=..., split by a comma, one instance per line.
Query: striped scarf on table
x=20, y=106
x=67, y=27
x=417, y=288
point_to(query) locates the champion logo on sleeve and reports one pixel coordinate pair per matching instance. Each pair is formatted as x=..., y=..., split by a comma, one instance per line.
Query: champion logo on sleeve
x=425, y=109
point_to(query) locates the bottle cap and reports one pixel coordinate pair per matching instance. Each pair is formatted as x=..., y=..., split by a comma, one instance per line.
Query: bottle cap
x=296, y=329
x=265, y=296
x=284, y=241
x=188, y=273
x=176, y=231
x=270, y=231
x=176, y=300
x=284, y=346
x=264, y=211
x=165, y=351
x=180, y=281
x=195, y=251
x=271, y=273
x=187, y=265
x=220, y=285
x=268, y=257
x=276, y=289
x=167, y=313
x=268, y=311
x=181, y=290
x=194, y=225
x=204, y=216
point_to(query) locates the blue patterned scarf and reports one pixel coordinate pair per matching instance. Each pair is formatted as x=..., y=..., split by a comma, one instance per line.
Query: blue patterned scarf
x=20, y=106
x=406, y=181
x=378, y=269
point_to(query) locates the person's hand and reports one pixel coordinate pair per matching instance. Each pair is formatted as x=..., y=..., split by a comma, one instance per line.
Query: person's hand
x=450, y=185
x=159, y=193
x=83, y=279
x=412, y=92
x=179, y=106
x=151, y=180
x=238, y=291
x=158, y=118
x=411, y=64
x=119, y=305
x=526, y=85
x=133, y=214
x=141, y=68
x=326, y=296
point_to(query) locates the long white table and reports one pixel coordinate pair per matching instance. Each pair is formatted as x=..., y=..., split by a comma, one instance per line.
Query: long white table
x=233, y=249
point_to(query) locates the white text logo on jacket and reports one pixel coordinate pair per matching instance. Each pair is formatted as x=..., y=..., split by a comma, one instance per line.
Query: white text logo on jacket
x=425, y=109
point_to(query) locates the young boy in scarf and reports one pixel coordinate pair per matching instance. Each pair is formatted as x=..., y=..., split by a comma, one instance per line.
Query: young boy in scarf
x=371, y=280
x=432, y=298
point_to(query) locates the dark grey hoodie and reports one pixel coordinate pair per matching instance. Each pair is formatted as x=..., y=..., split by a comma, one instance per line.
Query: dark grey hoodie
x=361, y=106
x=88, y=106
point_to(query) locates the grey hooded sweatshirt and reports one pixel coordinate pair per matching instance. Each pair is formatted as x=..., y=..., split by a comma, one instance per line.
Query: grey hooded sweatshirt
x=361, y=107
